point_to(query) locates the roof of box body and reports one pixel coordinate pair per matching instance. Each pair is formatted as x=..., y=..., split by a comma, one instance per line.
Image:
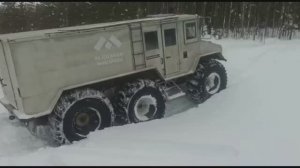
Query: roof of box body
x=22, y=35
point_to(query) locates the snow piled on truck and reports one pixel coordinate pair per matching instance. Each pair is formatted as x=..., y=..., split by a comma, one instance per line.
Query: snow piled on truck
x=255, y=121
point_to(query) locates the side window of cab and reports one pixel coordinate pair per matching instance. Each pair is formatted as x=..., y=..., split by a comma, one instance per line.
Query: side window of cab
x=190, y=31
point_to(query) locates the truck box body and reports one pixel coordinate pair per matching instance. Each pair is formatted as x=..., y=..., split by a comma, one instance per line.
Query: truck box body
x=44, y=66
x=37, y=66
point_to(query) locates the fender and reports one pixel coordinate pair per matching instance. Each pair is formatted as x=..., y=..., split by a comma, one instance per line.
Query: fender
x=218, y=56
x=214, y=55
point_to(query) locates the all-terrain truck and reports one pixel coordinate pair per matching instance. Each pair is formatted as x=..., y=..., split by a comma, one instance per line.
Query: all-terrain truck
x=85, y=78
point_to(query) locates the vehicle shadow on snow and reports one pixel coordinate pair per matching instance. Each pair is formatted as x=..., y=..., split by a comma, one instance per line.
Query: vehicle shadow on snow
x=179, y=105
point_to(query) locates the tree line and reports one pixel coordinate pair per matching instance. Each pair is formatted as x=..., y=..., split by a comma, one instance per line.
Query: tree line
x=232, y=19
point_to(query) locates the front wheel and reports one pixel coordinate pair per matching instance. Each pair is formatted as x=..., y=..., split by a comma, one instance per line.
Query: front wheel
x=209, y=78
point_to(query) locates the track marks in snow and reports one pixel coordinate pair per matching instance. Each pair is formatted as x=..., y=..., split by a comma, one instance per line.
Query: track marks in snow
x=15, y=138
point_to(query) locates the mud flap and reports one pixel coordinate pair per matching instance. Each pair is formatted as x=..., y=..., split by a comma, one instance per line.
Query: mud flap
x=220, y=56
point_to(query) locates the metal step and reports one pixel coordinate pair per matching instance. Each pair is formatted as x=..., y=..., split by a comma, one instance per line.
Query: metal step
x=173, y=91
x=176, y=95
x=140, y=66
x=137, y=41
x=135, y=28
x=140, y=53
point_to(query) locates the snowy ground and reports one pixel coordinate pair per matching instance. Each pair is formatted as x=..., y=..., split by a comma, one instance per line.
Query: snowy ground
x=255, y=121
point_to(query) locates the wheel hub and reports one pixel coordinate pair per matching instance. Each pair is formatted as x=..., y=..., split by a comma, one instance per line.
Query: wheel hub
x=86, y=120
x=145, y=108
x=82, y=119
x=212, y=83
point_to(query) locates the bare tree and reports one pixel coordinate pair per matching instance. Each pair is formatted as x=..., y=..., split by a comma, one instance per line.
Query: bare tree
x=243, y=19
x=229, y=18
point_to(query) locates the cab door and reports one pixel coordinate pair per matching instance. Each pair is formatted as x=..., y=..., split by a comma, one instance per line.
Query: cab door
x=153, y=47
x=170, y=48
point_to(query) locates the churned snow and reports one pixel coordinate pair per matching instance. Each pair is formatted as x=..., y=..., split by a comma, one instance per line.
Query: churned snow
x=255, y=121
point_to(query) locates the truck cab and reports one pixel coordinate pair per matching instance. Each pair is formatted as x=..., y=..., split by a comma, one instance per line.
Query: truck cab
x=172, y=44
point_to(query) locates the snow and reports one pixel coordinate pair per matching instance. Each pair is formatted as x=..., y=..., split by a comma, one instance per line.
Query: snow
x=255, y=121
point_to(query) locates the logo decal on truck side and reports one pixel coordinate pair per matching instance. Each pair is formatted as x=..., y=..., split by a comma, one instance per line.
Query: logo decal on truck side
x=106, y=59
x=108, y=44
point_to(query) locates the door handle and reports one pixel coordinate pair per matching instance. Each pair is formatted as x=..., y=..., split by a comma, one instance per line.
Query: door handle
x=168, y=57
x=185, y=55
